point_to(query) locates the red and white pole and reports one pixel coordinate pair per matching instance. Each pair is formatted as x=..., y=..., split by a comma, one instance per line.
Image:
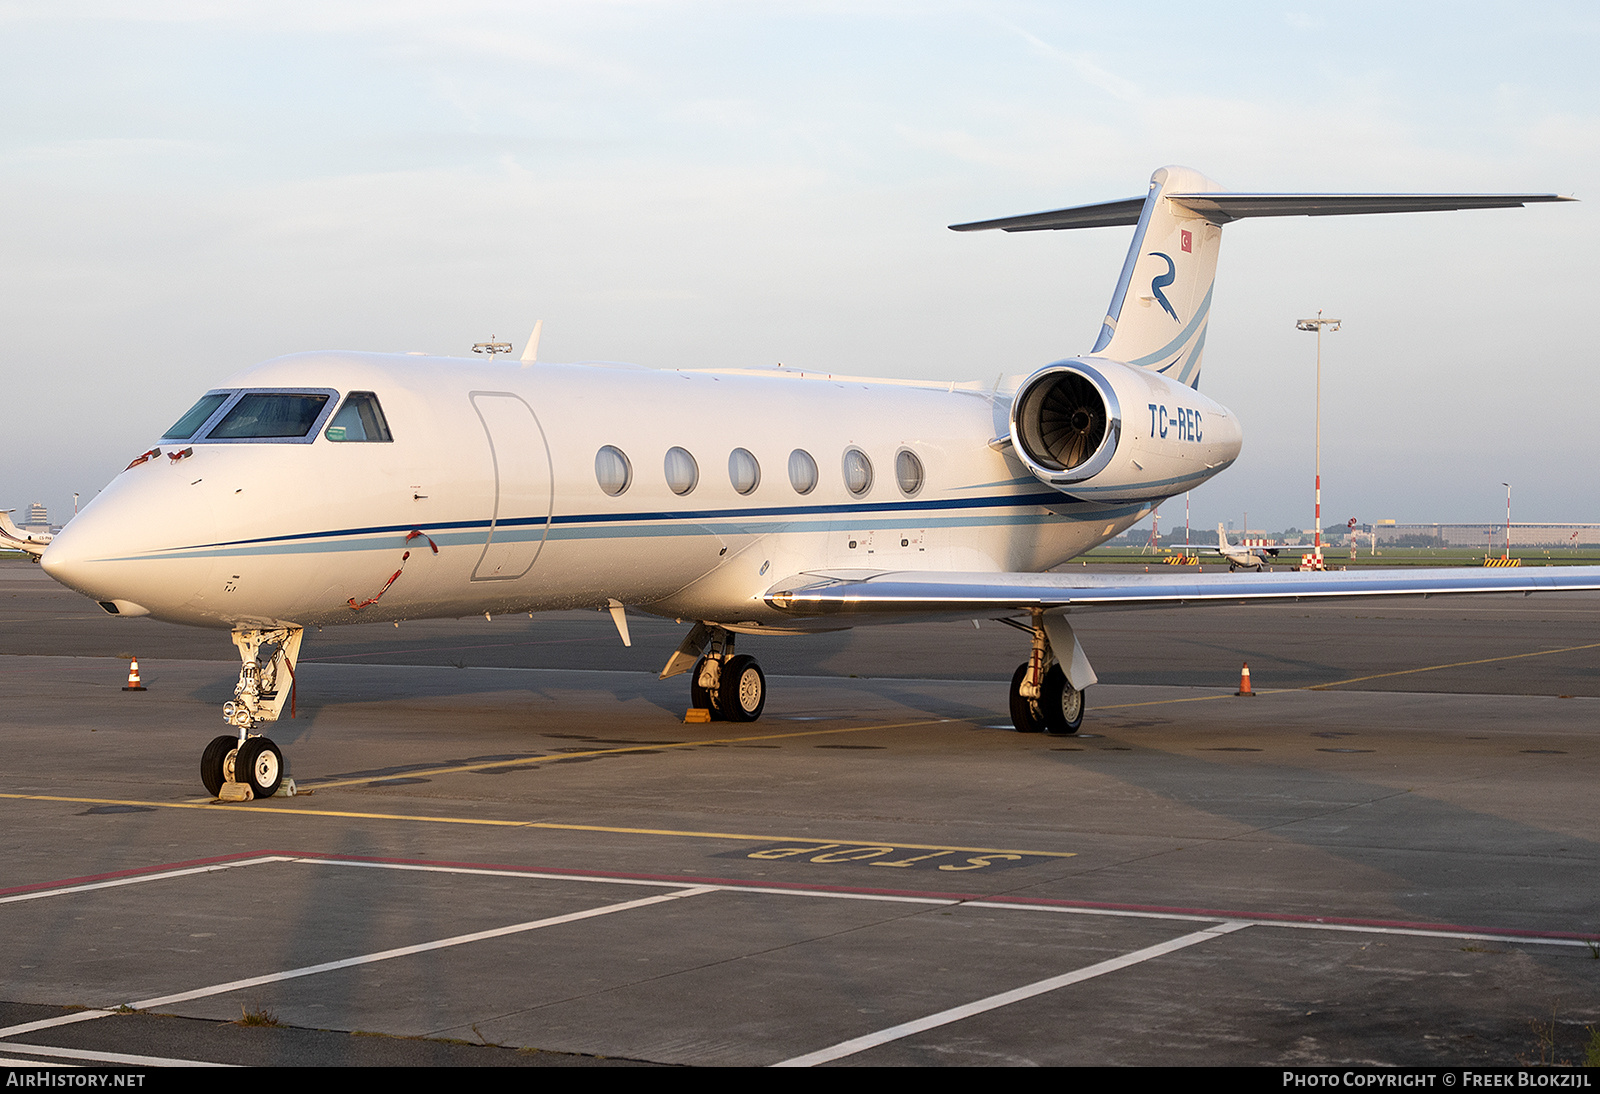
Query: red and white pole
x=1317, y=324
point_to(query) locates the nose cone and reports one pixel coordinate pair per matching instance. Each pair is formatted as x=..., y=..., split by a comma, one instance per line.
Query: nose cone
x=113, y=552
x=79, y=558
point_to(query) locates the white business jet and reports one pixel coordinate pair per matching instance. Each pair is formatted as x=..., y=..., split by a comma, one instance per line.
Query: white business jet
x=22, y=539
x=1243, y=557
x=326, y=488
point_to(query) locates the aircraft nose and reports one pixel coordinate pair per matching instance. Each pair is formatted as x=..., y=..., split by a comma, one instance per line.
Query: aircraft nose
x=78, y=558
x=113, y=552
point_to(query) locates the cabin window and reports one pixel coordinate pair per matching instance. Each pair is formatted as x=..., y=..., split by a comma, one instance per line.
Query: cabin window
x=743, y=470
x=186, y=426
x=682, y=472
x=359, y=419
x=264, y=415
x=613, y=470
x=908, y=472
x=802, y=471
x=857, y=472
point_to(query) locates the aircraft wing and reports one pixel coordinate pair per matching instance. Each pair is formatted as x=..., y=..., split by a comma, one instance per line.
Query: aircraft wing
x=898, y=592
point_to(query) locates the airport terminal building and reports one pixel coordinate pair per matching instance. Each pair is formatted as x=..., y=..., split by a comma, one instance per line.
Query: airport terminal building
x=1487, y=535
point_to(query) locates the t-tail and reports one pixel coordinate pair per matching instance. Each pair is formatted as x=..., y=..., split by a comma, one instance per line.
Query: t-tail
x=1162, y=303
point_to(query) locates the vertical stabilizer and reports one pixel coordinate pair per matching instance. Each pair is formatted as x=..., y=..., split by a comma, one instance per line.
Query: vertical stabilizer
x=1162, y=304
x=1159, y=311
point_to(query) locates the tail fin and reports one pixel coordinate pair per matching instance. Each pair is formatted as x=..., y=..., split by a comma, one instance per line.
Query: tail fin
x=1222, y=536
x=1159, y=311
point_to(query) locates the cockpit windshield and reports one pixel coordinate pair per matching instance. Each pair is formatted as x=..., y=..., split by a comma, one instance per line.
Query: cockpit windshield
x=186, y=426
x=263, y=415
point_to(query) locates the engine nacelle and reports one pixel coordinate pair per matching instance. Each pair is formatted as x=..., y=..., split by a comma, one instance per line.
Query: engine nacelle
x=1106, y=431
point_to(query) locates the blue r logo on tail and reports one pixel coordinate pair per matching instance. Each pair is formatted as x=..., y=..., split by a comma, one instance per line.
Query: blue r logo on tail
x=1161, y=281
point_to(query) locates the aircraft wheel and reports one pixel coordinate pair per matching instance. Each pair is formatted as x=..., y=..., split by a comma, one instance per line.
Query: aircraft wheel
x=702, y=697
x=1060, y=703
x=743, y=691
x=216, y=762
x=260, y=764
x=1024, y=712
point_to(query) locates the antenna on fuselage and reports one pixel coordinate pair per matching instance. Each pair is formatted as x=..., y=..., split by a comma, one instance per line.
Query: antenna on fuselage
x=530, y=353
x=491, y=347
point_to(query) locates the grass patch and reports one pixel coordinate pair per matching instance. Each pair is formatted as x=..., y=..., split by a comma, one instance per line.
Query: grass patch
x=262, y=1017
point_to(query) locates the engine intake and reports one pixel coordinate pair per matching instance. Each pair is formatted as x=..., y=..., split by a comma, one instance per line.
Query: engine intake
x=1065, y=423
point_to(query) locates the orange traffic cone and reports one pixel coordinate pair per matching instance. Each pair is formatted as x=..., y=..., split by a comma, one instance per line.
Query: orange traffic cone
x=133, y=676
x=1244, y=681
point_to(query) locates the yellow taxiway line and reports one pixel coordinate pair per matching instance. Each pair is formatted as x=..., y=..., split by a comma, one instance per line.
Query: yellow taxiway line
x=741, y=837
x=615, y=752
x=1354, y=679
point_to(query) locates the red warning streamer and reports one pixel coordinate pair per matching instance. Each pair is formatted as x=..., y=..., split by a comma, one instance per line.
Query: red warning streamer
x=415, y=533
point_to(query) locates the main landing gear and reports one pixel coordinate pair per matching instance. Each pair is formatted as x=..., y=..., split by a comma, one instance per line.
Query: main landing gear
x=1045, y=696
x=244, y=765
x=731, y=686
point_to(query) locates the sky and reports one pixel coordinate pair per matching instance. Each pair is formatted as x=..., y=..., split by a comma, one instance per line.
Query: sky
x=190, y=186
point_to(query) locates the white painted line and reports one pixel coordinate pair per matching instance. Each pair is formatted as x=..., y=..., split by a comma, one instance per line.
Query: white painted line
x=51, y=1023
x=105, y=1057
x=1015, y=995
x=999, y=905
x=7, y=1061
x=1425, y=932
x=421, y=947
x=1295, y=924
x=770, y=890
x=140, y=879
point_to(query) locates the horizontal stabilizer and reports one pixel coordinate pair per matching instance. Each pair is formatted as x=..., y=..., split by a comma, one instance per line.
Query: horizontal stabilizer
x=1220, y=207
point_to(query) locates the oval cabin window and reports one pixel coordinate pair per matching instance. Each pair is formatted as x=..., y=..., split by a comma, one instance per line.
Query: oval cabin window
x=682, y=472
x=802, y=471
x=612, y=470
x=743, y=470
x=857, y=472
x=908, y=472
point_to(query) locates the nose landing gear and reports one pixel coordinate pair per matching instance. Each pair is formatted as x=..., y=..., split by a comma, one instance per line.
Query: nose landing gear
x=246, y=765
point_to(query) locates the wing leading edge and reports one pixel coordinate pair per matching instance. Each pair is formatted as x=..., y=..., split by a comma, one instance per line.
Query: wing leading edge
x=910, y=592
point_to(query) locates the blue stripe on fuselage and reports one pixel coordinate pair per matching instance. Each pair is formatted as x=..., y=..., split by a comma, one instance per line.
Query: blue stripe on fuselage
x=754, y=521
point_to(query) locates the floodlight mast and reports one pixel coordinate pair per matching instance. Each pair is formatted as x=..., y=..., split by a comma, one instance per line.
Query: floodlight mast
x=1507, y=485
x=1317, y=324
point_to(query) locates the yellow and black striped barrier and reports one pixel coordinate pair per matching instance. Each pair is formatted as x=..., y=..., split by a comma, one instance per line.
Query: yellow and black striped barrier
x=1502, y=562
x=1183, y=560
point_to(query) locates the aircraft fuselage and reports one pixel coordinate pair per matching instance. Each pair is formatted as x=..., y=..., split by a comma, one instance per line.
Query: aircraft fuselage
x=495, y=465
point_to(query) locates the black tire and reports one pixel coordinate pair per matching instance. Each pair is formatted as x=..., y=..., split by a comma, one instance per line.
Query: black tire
x=1060, y=704
x=701, y=697
x=743, y=690
x=259, y=764
x=1024, y=712
x=214, y=763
